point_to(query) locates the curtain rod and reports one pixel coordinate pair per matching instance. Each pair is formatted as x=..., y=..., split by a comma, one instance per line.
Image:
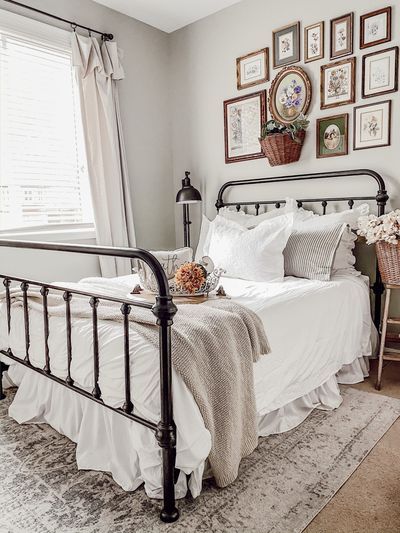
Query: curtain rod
x=105, y=36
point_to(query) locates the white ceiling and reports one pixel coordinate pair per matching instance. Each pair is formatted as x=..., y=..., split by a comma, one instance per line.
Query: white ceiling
x=168, y=15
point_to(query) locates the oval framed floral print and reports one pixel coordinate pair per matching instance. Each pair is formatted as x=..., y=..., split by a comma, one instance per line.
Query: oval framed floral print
x=290, y=95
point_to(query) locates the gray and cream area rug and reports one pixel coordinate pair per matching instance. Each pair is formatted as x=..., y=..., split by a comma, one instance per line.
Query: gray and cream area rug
x=281, y=486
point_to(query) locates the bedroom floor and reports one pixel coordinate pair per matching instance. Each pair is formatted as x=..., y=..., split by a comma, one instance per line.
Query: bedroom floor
x=366, y=503
x=369, y=501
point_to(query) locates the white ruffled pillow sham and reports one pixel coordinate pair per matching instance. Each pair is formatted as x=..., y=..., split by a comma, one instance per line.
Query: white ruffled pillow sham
x=250, y=221
x=253, y=254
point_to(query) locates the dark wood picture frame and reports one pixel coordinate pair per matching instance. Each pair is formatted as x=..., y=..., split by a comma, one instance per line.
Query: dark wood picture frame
x=286, y=72
x=295, y=27
x=395, y=49
x=351, y=100
x=345, y=150
x=240, y=84
x=262, y=95
x=321, y=26
x=389, y=125
x=363, y=18
x=349, y=20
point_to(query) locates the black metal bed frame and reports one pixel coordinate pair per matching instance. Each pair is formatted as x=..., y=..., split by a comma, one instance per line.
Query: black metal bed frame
x=164, y=310
x=380, y=198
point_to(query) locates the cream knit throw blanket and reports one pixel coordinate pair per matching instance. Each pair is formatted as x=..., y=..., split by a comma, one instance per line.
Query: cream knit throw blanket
x=214, y=346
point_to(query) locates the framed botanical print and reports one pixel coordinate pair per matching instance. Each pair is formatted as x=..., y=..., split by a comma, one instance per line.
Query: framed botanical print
x=286, y=45
x=338, y=83
x=342, y=36
x=372, y=124
x=376, y=27
x=333, y=136
x=252, y=69
x=243, y=118
x=380, y=72
x=314, y=42
x=290, y=94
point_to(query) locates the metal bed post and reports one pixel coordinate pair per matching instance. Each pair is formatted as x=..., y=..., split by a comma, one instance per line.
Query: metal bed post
x=164, y=310
x=378, y=287
x=3, y=368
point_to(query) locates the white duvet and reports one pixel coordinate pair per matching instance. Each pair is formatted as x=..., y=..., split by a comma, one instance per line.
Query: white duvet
x=314, y=329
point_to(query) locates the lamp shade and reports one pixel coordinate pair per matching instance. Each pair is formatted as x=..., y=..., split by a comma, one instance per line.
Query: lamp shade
x=188, y=194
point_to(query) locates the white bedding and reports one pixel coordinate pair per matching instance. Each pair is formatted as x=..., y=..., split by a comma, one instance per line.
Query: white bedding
x=314, y=329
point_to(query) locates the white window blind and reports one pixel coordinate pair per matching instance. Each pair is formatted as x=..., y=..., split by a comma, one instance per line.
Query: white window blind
x=43, y=170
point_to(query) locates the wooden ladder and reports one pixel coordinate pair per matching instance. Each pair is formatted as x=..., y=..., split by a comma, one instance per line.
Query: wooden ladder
x=387, y=354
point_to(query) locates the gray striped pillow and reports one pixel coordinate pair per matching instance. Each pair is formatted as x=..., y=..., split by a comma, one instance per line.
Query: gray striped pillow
x=310, y=253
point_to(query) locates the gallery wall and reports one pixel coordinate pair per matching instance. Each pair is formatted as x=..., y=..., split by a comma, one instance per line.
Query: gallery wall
x=172, y=112
x=203, y=75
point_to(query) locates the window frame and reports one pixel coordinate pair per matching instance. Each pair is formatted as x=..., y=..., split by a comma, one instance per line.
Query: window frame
x=51, y=36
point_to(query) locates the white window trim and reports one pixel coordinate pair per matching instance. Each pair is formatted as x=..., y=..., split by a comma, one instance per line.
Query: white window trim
x=48, y=34
x=56, y=233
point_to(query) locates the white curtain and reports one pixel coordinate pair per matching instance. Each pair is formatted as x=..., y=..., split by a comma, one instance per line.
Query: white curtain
x=98, y=68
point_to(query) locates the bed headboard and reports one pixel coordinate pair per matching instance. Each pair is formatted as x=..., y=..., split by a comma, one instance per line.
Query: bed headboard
x=380, y=198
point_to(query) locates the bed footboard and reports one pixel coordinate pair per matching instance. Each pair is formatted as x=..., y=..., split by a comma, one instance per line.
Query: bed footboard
x=164, y=310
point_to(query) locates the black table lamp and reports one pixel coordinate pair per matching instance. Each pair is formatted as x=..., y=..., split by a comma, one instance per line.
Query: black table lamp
x=187, y=195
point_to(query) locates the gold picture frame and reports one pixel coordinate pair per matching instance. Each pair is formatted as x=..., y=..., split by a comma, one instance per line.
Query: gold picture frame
x=252, y=69
x=341, y=38
x=332, y=136
x=314, y=42
x=243, y=119
x=293, y=85
x=286, y=45
x=338, y=83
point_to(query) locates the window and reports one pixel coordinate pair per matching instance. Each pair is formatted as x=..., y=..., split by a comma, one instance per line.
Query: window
x=43, y=170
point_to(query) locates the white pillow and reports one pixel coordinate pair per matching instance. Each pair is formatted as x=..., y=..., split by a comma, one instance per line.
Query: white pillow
x=250, y=221
x=204, y=239
x=253, y=254
x=344, y=258
x=348, y=216
x=170, y=260
x=310, y=253
x=245, y=220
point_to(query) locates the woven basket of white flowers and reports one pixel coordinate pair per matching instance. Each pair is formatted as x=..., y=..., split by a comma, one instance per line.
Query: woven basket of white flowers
x=384, y=232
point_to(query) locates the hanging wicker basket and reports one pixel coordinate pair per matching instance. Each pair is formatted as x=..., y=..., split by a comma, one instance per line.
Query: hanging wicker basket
x=281, y=149
x=389, y=261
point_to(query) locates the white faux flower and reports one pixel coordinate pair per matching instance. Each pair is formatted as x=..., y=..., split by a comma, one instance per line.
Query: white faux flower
x=384, y=228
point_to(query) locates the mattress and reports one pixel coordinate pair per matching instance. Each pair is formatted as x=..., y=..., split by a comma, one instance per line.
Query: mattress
x=314, y=328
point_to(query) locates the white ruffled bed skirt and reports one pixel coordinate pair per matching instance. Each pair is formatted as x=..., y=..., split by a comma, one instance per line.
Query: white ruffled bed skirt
x=109, y=442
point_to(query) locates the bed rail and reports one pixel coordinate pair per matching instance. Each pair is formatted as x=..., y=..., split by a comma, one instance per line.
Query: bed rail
x=380, y=198
x=164, y=310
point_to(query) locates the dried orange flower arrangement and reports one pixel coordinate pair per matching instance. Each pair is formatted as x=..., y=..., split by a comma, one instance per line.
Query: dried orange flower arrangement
x=190, y=277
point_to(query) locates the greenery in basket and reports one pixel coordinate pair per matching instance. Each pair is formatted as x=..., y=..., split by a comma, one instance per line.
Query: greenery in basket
x=384, y=228
x=272, y=126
